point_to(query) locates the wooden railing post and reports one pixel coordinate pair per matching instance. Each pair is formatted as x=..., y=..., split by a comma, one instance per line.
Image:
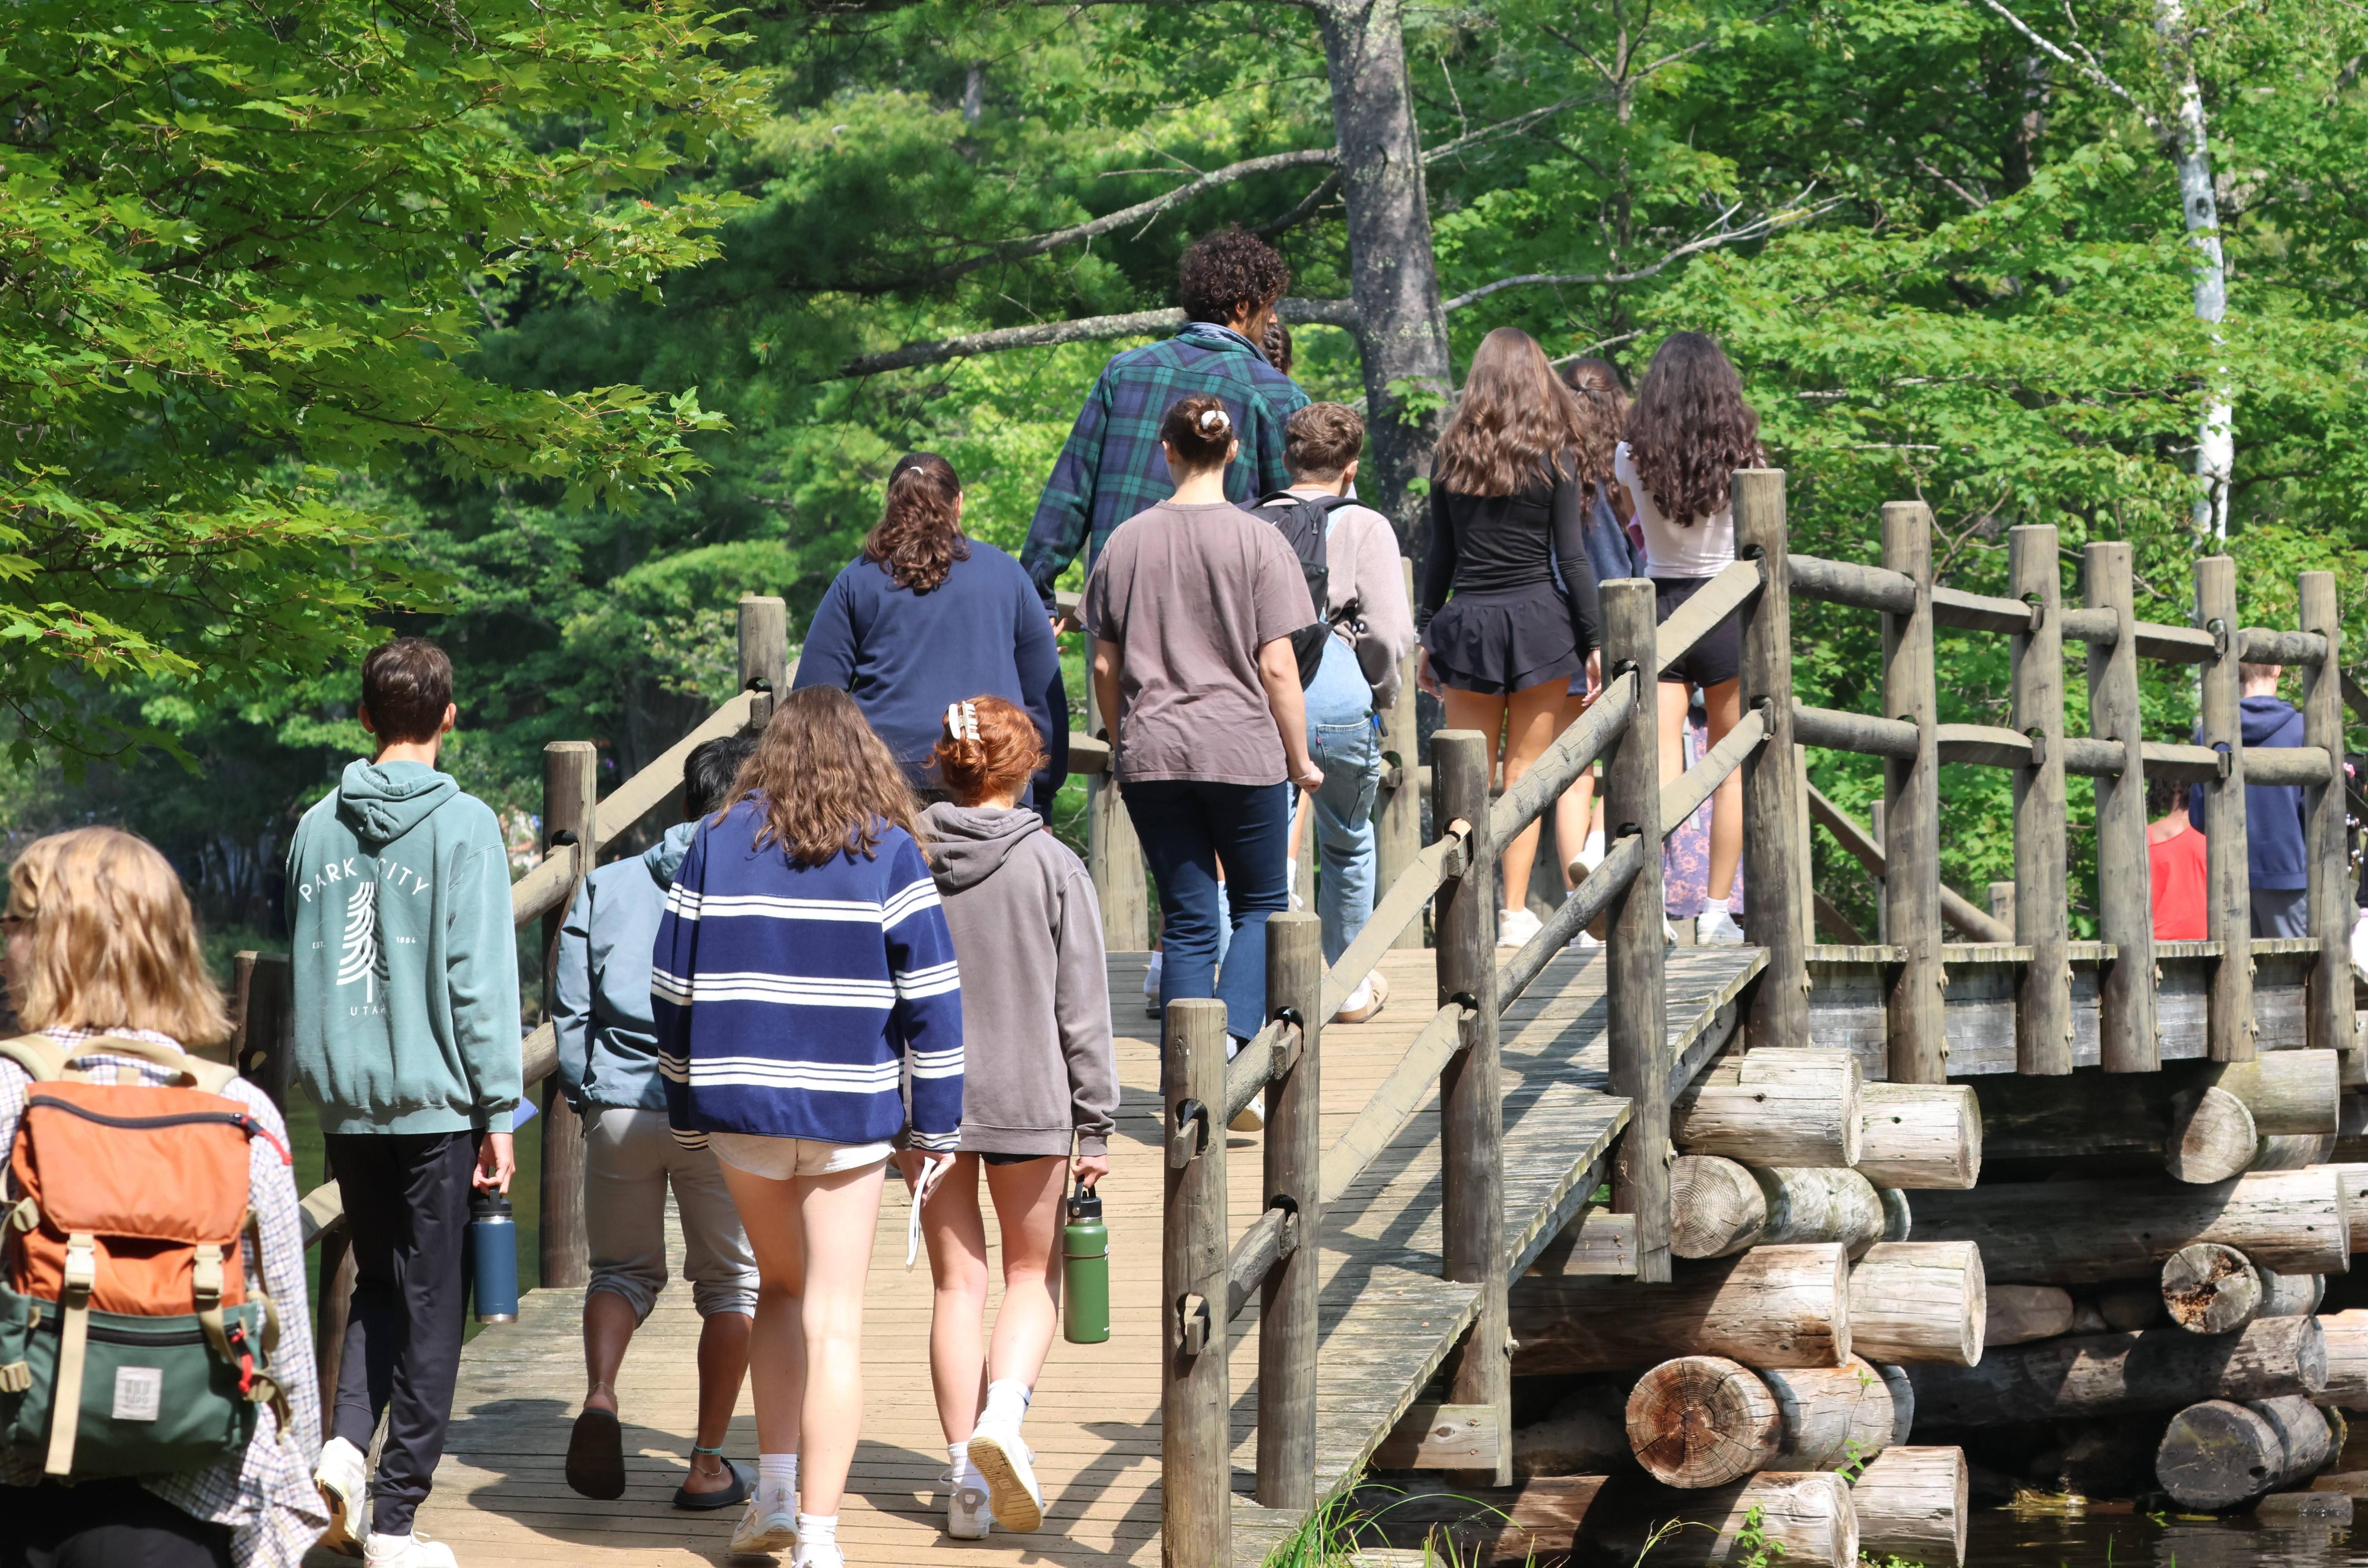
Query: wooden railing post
x=1398, y=814
x=267, y=1022
x=1638, y=1034
x=1911, y=791
x=1470, y=1100
x=571, y=785
x=2043, y=1044
x=1878, y=829
x=2229, y=1019
x=1113, y=854
x=1195, y=1399
x=1294, y=1160
x=2333, y=1026
x=2127, y=1037
x=1775, y=876
x=765, y=650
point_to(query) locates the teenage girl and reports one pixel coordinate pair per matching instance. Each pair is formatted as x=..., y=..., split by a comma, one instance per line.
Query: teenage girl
x=1687, y=435
x=1504, y=632
x=1602, y=414
x=803, y=971
x=1040, y=1075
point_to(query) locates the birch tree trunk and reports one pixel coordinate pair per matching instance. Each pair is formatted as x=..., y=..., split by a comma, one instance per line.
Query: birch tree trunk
x=2190, y=151
x=1393, y=275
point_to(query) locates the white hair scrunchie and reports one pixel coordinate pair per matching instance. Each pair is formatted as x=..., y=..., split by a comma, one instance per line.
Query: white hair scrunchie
x=961, y=721
x=1214, y=420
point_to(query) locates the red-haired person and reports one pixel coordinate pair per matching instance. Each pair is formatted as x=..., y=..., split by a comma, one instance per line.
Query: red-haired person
x=1688, y=433
x=1039, y=1092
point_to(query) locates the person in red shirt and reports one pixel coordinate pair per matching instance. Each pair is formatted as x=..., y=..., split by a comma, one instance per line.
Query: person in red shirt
x=2175, y=863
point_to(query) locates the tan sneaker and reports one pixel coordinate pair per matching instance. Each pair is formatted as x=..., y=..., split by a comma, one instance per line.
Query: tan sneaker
x=1366, y=1002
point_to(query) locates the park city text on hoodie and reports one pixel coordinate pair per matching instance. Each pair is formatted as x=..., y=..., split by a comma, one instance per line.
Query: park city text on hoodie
x=405, y=961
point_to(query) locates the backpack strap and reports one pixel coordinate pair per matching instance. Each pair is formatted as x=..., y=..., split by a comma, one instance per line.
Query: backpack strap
x=211, y=1076
x=73, y=1342
x=43, y=1060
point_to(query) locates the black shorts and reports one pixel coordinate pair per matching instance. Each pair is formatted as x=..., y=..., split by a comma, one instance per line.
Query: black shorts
x=1718, y=657
x=1014, y=1159
x=104, y=1524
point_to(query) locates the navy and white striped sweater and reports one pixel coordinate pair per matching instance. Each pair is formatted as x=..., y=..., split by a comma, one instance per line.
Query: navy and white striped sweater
x=790, y=1000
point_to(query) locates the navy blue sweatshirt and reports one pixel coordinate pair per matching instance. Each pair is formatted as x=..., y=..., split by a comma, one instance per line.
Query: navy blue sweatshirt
x=904, y=656
x=2277, y=860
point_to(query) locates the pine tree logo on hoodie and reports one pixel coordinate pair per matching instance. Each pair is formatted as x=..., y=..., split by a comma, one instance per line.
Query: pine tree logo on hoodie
x=358, y=957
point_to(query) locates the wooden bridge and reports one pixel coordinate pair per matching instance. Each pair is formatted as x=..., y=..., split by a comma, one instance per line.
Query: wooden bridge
x=1291, y=1308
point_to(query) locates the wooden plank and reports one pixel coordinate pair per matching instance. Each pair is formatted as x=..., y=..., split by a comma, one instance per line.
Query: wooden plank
x=1775, y=849
x=1843, y=582
x=1402, y=1093
x=2040, y=891
x=1434, y=1436
x=1911, y=795
x=1398, y=809
x=2228, y=876
x=1699, y=616
x=2332, y=1021
x=1399, y=908
x=571, y=791
x=645, y=791
x=1597, y=1243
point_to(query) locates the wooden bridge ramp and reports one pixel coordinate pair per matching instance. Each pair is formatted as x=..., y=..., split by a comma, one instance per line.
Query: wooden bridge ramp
x=1388, y=1319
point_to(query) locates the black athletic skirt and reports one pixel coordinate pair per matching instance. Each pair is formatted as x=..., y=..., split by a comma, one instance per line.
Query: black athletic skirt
x=1503, y=640
x=1718, y=657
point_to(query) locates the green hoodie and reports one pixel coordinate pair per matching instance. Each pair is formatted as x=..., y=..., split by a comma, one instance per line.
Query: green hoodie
x=405, y=961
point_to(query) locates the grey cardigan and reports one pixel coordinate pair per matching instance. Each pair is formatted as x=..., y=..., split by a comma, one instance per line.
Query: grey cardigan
x=1038, y=1065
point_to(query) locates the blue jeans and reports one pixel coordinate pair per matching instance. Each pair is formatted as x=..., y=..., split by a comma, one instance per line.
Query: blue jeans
x=1342, y=740
x=1186, y=826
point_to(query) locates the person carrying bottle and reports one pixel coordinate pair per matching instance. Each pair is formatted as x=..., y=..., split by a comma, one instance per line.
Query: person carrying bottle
x=804, y=986
x=1039, y=1075
x=608, y=1070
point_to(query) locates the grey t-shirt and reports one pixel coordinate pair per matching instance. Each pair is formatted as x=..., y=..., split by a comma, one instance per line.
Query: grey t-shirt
x=1190, y=595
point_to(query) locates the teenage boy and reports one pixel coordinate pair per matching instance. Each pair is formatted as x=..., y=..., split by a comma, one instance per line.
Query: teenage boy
x=608, y=1070
x=405, y=970
x=2277, y=852
x=1111, y=466
x=1373, y=628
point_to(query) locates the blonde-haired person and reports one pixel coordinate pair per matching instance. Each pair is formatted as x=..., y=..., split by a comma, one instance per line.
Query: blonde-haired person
x=101, y=948
x=1039, y=1076
x=803, y=976
x=1508, y=605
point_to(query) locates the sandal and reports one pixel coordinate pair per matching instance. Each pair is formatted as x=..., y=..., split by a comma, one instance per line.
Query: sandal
x=595, y=1456
x=743, y=1488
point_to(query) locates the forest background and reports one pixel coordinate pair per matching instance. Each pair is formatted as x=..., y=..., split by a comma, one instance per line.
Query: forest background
x=530, y=327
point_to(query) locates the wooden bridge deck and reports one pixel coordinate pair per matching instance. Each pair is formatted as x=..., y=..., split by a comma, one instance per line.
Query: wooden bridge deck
x=1388, y=1319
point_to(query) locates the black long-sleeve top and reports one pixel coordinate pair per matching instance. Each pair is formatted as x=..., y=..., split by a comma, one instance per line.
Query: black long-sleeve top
x=1486, y=542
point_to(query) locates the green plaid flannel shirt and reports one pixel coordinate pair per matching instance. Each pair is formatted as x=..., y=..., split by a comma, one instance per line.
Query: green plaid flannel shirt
x=1111, y=466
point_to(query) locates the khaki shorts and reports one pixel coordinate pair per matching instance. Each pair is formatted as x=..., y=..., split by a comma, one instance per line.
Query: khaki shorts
x=782, y=1158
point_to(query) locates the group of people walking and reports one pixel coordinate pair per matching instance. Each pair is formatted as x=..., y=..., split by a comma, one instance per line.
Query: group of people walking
x=861, y=948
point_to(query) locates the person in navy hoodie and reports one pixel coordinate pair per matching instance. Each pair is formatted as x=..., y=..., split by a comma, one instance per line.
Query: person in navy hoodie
x=2277, y=858
x=925, y=617
x=809, y=1012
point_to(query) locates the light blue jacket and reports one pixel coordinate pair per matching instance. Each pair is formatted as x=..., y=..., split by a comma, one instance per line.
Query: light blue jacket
x=607, y=1043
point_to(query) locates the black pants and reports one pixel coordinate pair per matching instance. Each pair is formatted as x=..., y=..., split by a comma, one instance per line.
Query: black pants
x=406, y=1201
x=104, y=1524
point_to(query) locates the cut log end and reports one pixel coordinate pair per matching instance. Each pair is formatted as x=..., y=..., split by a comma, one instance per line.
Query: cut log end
x=2220, y=1453
x=2212, y=1136
x=1703, y=1421
x=1715, y=1206
x=1913, y=1503
x=2211, y=1288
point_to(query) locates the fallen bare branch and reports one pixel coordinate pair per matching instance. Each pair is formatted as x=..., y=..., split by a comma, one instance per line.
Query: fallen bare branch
x=1086, y=329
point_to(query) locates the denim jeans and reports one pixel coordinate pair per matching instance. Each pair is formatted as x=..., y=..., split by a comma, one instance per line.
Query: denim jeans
x=1186, y=826
x=1345, y=744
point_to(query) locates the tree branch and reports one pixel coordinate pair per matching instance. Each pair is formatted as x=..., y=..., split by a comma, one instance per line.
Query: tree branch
x=1088, y=329
x=1757, y=228
x=2086, y=65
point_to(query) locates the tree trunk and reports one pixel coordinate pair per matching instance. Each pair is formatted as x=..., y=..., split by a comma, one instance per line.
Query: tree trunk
x=1768, y=1307
x=2221, y=1453
x=2211, y=1288
x=2289, y=1092
x=1781, y=1106
x=1912, y=1504
x=2286, y=1093
x=1920, y=1301
x=1811, y=1205
x=2346, y=1334
x=2212, y=1136
x=2290, y=1295
x=2117, y=1374
x=1808, y=1515
x=2082, y=1232
x=1701, y=1421
x=2294, y=1152
x=1715, y=1208
x=1832, y=1417
x=2020, y=1313
x=1719, y=1207
x=2354, y=1181
x=2190, y=153
x=1402, y=332
x=1920, y=1135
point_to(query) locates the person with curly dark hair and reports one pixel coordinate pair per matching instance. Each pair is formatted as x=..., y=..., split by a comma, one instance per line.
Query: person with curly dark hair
x=1602, y=403
x=926, y=615
x=1111, y=466
x=1688, y=433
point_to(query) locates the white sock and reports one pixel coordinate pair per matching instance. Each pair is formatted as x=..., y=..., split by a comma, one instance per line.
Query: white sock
x=963, y=1470
x=818, y=1531
x=1006, y=1402
x=776, y=1481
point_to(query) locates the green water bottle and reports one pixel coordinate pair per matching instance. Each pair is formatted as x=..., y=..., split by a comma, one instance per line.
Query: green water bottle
x=1084, y=1271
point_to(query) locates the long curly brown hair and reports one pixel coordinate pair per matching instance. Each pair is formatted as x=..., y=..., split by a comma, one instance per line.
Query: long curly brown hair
x=1690, y=428
x=918, y=537
x=826, y=784
x=1516, y=426
x=1602, y=415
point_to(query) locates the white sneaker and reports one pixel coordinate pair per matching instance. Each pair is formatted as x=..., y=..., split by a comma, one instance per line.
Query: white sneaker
x=818, y=1554
x=1151, y=986
x=414, y=1551
x=1252, y=1118
x=1585, y=939
x=1516, y=926
x=1590, y=854
x=763, y=1532
x=968, y=1514
x=1714, y=927
x=343, y=1480
x=998, y=1455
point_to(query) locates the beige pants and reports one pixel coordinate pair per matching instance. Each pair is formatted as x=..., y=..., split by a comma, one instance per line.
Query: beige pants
x=629, y=1160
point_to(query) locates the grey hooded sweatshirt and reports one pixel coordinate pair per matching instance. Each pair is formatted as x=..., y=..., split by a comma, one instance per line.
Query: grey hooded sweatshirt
x=1037, y=1060
x=600, y=1009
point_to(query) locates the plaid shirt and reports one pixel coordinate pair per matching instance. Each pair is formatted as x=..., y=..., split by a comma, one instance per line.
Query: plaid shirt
x=267, y=1495
x=1111, y=466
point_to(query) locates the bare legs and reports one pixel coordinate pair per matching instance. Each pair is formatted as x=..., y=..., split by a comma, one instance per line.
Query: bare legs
x=1575, y=807
x=1528, y=720
x=1027, y=1198
x=1724, y=703
x=811, y=1236
x=608, y=1324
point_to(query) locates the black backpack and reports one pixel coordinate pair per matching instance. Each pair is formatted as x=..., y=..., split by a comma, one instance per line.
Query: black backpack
x=1303, y=521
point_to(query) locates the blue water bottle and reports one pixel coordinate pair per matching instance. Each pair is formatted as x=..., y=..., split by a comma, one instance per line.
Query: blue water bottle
x=493, y=1258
